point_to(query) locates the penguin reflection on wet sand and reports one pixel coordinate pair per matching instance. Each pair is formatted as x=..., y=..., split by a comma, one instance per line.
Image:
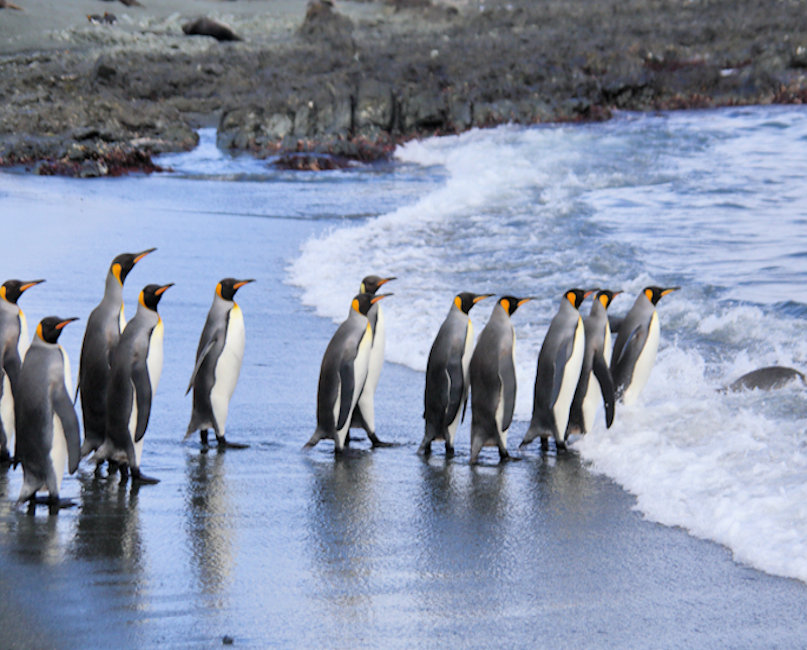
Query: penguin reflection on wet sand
x=595, y=371
x=637, y=344
x=13, y=344
x=493, y=379
x=364, y=413
x=447, y=382
x=47, y=426
x=343, y=372
x=558, y=371
x=104, y=327
x=218, y=364
x=135, y=373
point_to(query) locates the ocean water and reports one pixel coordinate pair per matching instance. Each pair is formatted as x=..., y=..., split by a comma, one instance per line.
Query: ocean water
x=277, y=547
x=712, y=201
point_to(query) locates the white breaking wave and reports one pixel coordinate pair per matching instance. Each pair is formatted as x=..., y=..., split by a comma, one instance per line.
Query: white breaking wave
x=707, y=201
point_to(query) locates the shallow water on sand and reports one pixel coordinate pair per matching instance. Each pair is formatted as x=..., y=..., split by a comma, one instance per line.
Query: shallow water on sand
x=274, y=546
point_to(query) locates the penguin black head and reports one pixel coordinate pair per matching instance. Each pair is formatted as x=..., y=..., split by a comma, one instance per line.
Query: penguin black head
x=228, y=286
x=151, y=294
x=13, y=289
x=465, y=300
x=125, y=262
x=51, y=327
x=363, y=301
x=577, y=296
x=605, y=297
x=511, y=303
x=372, y=283
x=654, y=294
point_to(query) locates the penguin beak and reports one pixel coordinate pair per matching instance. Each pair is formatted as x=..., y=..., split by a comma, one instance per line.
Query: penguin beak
x=380, y=296
x=482, y=296
x=664, y=292
x=586, y=294
x=65, y=322
x=385, y=280
x=163, y=289
x=140, y=256
x=521, y=301
x=241, y=283
x=30, y=284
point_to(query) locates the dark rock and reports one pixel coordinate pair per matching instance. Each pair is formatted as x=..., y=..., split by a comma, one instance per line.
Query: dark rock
x=322, y=24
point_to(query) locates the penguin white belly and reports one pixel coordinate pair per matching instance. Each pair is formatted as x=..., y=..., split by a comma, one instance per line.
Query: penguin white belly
x=58, y=451
x=24, y=343
x=644, y=363
x=7, y=413
x=608, y=349
x=375, y=362
x=568, y=384
x=154, y=358
x=590, y=402
x=466, y=364
x=360, y=364
x=228, y=367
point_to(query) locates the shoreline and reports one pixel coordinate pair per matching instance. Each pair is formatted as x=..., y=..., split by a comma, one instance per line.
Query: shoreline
x=315, y=90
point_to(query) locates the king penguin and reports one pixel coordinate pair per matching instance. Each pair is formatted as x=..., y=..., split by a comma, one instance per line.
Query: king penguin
x=493, y=379
x=447, y=382
x=559, y=363
x=104, y=327
x=595, y=371
x=343, y=372
x=47, y=427
x=364, y=413
x=637, y=344
x=13, y=344
x=137, y=363
x=218, y=364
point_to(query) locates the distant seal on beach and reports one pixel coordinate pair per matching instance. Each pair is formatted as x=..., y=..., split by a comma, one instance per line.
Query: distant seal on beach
x=637, y=344
x=208, y=27
x=768, y=378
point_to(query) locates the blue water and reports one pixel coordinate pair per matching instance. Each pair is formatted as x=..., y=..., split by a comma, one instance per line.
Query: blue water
x=272, y=545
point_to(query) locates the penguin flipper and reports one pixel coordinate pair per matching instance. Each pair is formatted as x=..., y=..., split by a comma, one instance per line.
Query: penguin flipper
x=561, y=359
x=633, y=341
x=200, y=358
x=67, y=414
x=603, y=375
x=507, y=391
x=453, y=373
x=347, y=384
x=142, y=389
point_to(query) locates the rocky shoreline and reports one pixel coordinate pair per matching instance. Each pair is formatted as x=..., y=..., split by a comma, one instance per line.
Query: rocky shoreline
x=324, y=85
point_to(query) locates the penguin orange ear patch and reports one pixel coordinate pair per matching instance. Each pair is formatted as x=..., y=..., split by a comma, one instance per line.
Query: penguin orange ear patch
x=355, y=305
x=116, y=269
x=571, y=298
x=649, y=294
x=604, y=300
x=458, y=302
x=504, y=302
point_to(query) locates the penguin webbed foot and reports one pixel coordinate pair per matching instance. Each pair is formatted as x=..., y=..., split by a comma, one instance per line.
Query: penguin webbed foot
x=142, y=479
x=223, y=444
x=425, y=448
x=54, y=503
x=378, y=443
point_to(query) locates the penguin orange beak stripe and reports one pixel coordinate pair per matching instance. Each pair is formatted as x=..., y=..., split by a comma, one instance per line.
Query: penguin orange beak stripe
x=482, y=296
x=375, y=299
x=586, y=294
x=163, y=289
x=140, y=256
x=65, y=322
x=30, y=284
x=523, y=300
x=664, y=292
x=385, y=280
x=240, y=284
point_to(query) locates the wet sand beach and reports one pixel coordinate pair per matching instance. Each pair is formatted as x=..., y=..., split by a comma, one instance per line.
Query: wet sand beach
x=273, y=546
